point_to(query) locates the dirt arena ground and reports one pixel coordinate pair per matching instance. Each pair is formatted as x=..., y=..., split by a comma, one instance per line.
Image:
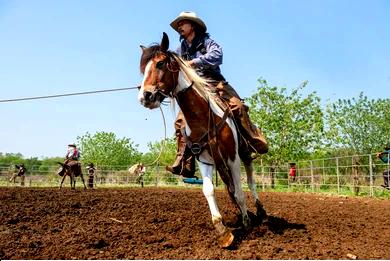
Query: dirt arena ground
x=156, y=223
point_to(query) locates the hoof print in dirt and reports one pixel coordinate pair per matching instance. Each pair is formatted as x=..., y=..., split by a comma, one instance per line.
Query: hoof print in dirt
x=167, y=245
x=98, y=244
x=76, y=205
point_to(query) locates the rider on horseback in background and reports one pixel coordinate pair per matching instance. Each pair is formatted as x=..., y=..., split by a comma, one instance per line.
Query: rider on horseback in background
x=205, y=56
x=71, y=167
x=72, y=154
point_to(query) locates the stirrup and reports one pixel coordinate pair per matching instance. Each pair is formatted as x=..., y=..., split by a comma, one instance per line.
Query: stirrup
x=188, y=174
x=174, y=170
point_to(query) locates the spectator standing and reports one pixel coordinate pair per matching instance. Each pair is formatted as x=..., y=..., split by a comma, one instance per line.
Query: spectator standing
x=384, y=157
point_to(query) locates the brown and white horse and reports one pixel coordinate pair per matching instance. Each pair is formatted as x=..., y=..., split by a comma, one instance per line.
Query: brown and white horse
x=139, y=171
x=210, y=132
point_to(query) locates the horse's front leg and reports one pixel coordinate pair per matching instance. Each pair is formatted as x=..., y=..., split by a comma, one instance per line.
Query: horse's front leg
x=62, y=181
x=72, y=181
x=225, y=237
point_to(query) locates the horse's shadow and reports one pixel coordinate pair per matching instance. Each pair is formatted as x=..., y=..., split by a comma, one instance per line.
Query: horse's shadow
x=273, y=224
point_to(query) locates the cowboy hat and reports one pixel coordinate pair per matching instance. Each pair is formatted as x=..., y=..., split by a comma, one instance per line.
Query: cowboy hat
x=72, y=145
x=188, y=16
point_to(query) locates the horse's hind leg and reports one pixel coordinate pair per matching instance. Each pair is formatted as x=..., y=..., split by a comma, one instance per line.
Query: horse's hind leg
x=231, y=177
x=239, y=193
x=260, y=212
x=72, y=181
x=225, y=237
x=82, y=179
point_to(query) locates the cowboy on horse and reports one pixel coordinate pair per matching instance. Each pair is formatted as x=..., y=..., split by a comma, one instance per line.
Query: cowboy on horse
x=71, y=166
x=205, y=55
x=21, y=173
x=211, y=131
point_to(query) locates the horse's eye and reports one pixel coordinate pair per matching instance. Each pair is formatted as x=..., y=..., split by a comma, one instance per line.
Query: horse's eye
x=160, y=65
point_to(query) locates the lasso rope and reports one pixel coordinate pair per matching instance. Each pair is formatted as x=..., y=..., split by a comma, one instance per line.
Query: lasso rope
x=94, y=92
x=164, y=140
x=66, y=94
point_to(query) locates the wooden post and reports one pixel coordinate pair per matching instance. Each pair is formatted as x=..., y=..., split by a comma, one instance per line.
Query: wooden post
x=157, y=173
x=371, y=176
x=323, y=172
x=338, y=175
x=262, y=175
x=312, y=176
x=288, y=177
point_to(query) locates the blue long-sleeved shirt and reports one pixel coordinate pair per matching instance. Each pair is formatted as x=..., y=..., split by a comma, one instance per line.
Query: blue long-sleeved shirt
x=210, y=59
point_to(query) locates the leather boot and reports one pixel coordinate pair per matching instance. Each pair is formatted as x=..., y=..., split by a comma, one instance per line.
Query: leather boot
x=188, y=170
x=184, y=164
x=251, y=133
x=255, y=137
x=177, y=166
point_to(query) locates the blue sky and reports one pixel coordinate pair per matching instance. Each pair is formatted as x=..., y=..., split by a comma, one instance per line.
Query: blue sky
x=52, y=47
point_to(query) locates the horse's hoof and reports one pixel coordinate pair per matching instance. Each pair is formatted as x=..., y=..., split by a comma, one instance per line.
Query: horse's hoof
x=226, y=239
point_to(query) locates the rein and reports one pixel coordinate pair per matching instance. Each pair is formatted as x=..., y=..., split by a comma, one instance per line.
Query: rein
x=198, y=146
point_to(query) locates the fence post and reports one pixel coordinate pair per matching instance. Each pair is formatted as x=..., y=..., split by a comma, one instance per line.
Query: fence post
x=371, y=176
x=288, y=177
x=262, y=175
x=338, y=175
x=312, y=176
x=157, y=173
x=262, y=179
x=323, y=173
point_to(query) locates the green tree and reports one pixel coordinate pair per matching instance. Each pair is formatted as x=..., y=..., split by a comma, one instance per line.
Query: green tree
x=359, y=124
x=292, y=123
x=10, y=159
x=164, y=151
x=105, y=149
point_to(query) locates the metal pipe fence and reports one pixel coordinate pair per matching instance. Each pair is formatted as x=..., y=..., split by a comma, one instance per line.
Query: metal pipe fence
x=357, y=174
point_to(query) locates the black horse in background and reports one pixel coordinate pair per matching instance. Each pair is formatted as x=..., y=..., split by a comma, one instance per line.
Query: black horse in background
x=72, y=169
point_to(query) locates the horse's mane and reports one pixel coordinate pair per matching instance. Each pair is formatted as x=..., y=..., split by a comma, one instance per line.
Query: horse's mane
x=200, y=84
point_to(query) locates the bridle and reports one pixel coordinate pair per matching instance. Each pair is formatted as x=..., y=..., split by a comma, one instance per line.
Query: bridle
x=168, y=62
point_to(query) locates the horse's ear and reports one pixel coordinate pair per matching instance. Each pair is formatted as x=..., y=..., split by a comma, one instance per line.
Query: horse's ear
x=164, y=43
x=143, y=48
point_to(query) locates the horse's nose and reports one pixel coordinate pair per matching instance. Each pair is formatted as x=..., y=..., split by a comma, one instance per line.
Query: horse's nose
x=148, y=95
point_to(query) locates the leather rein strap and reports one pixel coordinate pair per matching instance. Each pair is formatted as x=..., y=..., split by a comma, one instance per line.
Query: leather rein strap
x=198, y=146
